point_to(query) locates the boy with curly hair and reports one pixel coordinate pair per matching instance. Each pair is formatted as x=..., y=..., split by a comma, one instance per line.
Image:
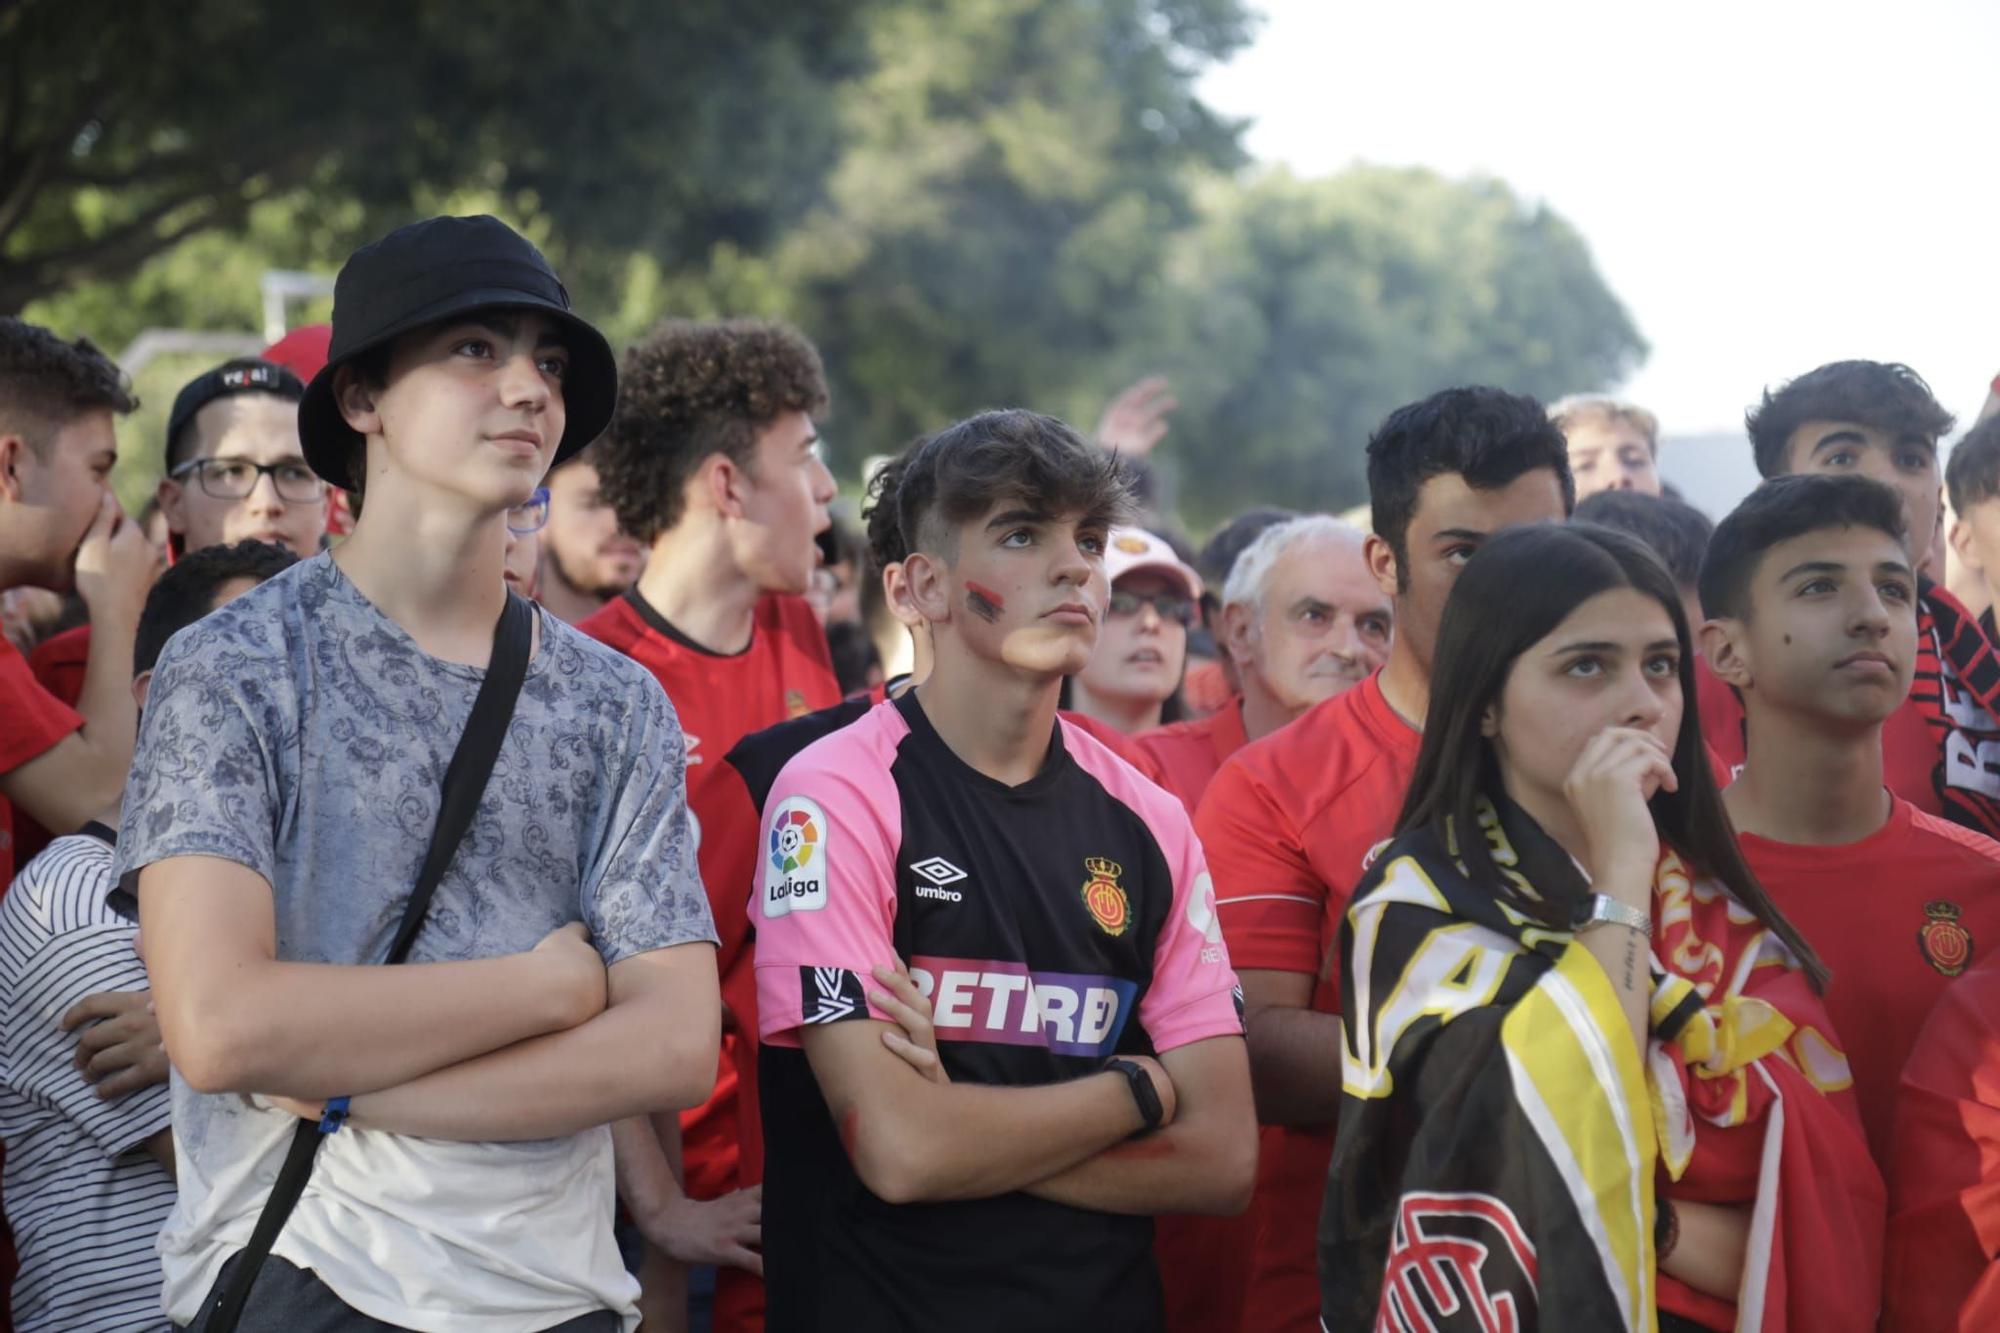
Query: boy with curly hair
x=712, y=461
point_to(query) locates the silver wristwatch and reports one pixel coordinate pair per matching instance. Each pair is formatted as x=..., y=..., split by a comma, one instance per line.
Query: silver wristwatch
x=1598, y=910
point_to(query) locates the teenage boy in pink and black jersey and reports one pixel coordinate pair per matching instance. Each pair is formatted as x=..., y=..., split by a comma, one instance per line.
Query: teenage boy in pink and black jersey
x=963, y=867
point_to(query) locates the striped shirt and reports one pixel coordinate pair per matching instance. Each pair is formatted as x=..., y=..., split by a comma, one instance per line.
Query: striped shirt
x=85, y=1199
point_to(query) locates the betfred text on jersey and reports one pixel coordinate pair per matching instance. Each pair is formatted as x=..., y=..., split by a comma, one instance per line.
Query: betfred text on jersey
x=1068, y=1012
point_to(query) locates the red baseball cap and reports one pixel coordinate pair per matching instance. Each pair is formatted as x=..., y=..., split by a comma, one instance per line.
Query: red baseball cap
x=303, y=350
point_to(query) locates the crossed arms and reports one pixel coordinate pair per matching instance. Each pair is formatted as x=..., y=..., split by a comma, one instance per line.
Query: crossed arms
x=524, y=1046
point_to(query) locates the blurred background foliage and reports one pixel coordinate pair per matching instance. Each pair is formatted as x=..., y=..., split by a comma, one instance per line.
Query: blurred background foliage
x=965, y=203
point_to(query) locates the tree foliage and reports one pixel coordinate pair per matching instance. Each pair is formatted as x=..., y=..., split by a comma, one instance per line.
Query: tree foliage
x=965, y=203
x=125, y=128
x=1296, y=314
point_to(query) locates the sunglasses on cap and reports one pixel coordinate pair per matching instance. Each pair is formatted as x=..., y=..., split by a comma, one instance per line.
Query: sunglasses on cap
x=1169, y=606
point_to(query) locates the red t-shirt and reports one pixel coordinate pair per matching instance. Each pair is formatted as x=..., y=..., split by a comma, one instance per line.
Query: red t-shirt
x=1910, y=758
x=1289, y=824
x=1204, y=1261
x=1185, y=756
x=720, y=698
x=58, y=662
x=32, y=722
x=1944, y=1169
x=1894, y=917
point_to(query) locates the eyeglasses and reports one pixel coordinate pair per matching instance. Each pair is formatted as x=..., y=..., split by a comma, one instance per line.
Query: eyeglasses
x=531, y=515
x=1169, y=606
x=235, y=478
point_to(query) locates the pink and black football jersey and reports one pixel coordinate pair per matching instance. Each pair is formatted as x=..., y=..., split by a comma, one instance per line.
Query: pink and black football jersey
x=1052, y=925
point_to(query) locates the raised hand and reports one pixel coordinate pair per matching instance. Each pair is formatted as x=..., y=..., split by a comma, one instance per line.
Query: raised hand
x=1608, y=787
x=1136, y=420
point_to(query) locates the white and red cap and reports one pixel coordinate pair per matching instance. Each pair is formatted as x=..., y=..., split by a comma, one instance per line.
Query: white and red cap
x=1130, y=550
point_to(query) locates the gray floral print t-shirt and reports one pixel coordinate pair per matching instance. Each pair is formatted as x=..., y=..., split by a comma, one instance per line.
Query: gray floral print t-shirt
x=300, y=732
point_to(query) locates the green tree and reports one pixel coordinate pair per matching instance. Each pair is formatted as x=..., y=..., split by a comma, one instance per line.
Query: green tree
x=630, y=124
x=1296, y=314
x=1012, y=172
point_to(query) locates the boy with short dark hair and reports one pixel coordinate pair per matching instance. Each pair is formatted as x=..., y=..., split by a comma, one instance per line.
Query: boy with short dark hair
x=1811, y=601
x=288, y=782
x=1290, y=821
x=90, y=1158
x=961, y=845
x=1881, y=421
x=61, y=528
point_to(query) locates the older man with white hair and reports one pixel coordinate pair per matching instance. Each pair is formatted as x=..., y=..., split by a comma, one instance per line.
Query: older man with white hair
x=1302, y=620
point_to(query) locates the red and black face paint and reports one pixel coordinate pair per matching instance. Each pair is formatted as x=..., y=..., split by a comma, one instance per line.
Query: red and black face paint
x=983, y=602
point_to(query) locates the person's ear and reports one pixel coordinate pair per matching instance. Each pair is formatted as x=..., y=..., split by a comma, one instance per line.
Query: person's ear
x=13, y=449
x=896, y=593
x=141, y=683
x=1239, y=632
x=927, y=585
x=1381, y=559
x=168, y=494
x=1962, y=546
x=357, y=402
x=1726, y=648
x=723, y=485
x=1489, y=722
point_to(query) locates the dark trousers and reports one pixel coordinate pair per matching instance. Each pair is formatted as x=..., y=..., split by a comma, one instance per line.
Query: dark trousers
x=290, y=1299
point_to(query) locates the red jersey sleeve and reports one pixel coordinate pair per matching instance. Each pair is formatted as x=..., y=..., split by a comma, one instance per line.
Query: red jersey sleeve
x=60, y=662
x=1944, y=1168
x=826, y=902
x=1269, y=900
x=32, y=721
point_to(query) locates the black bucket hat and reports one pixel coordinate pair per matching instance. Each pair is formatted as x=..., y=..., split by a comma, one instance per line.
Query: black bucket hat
x=435, y=270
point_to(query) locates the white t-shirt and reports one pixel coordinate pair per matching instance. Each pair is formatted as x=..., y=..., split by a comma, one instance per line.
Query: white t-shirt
x=84, y=1197
x=298, y=731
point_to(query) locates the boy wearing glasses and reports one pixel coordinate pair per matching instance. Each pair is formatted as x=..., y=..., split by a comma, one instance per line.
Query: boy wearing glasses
x=525, y=522
x=235, y=470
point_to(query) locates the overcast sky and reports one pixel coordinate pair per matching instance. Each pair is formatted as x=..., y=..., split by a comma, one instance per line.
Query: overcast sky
x=1766, y=186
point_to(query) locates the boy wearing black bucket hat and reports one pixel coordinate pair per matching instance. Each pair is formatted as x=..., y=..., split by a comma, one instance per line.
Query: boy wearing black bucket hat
x=292, y=767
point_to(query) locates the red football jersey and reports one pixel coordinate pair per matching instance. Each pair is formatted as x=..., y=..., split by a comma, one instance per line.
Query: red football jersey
x=1289, y=824
x=720, y=698
x=1895, y=917
x=32, y=722
x=1910, y=758
x=1944, y=1169
x=1204, y=1261
x=1185, y=756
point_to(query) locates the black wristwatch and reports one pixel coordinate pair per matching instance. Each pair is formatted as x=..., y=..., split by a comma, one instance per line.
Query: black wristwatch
x=1150, y=1109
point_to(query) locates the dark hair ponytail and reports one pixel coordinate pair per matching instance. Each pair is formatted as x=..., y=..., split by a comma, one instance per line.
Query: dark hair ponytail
x=1514, y=592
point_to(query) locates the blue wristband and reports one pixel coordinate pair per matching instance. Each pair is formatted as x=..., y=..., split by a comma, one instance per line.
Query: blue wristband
x=335, y=1115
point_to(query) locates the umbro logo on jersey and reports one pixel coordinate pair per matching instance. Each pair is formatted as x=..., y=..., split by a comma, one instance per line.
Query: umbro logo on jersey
x=938, y=872
x=830, y=995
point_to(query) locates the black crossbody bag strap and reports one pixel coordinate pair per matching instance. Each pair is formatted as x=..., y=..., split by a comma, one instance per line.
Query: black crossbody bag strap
x=464, y=783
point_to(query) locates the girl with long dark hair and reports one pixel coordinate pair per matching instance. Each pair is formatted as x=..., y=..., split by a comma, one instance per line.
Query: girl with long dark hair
x=1588, y=1080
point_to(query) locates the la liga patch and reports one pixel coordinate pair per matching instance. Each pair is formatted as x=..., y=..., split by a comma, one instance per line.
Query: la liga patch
x=795, y=851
